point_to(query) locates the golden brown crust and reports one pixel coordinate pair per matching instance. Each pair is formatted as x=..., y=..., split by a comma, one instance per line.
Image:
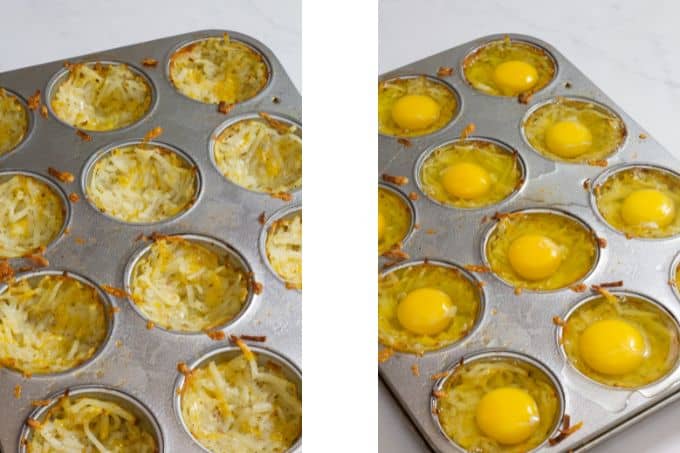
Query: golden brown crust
x=398, y=180
x=257, y=338
x=150, y=62
x=74, y=197
x=83, y=136
x=478, y=268
x=467, y=131
x=34, y=101
x=152, y=134
x=6, y=271
x=445, y=71
x=216, y=335
x=224, y=107
x=115, y=292
x=284, y=196
x=385, y=354
x=565, y=431
x=63, y=176
x=405, y=142
x=278, y=126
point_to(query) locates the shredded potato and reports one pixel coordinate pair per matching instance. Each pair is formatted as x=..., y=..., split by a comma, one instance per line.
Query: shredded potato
x=389, y=91
x=397, y=217
x=217, y=70
x=284, y=249
x=607, y=129
x=31, y=215
x=463, y=391
x=51, y=325
x=242, y=406
x=613, y=192
x=479, y=66
x=394, y=286
x=185, y=286
x=101, y=97
x=502, y=166
x=657, y=328
x=577, y=245
x=142, y=184
x=13, y=122
x=254, y=155
x=90, y=425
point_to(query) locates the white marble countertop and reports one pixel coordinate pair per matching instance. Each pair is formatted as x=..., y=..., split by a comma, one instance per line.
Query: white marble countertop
x=628, y=48
x=37, y=32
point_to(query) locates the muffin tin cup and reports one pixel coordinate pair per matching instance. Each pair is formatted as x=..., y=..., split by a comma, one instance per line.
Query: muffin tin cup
x=454, y=91
x=524, y=322
x=60, y=76
x=30, y=117
x=601, y=105
x=224, y=353
x=611, y=171
x=247, y=116
x=499, y=354
x=137, y=360
x=109, y=313
x=86, y=176
x=671, y=372
x=558, y=212
x=213, y=244
x=105, y=393
x=243, y=39
x=469, y=276
x=282, y=213
x=428, y=152
x=65, y=203
x=411, y=207
x=515, y=38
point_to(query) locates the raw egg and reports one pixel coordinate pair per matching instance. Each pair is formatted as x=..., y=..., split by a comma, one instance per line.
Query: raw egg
x=471, y=173
x=612, y=346
x=574, y=130
x=534, y=256
x=425, y=311
x=541, y=250
x=508, y=68
x=514, y=77
x=466, y=180
x=426, y=306
x=640, y=201
x=415, y=111
x=620, y=339
x=413, y=106
x=508, y=414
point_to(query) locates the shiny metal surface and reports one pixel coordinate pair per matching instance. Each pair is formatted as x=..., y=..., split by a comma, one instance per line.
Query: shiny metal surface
x=137, y=361
x=524, y=323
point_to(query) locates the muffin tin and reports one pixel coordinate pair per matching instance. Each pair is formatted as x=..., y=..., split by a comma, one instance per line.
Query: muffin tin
x=523, y=323
x=138, y=365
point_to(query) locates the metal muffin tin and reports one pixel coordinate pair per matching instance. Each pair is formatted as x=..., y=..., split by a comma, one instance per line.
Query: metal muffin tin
x=142, y=363
x=523, y=323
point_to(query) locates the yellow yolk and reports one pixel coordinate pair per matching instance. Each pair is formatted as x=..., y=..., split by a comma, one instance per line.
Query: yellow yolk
x=612, y=346
x=381, y=225
x=415, y=111
x=425, y=311
x=508, y=415
x=466, y=180
x=568, y=138
x=648, y=207
x=515, y=77
x=534, y=257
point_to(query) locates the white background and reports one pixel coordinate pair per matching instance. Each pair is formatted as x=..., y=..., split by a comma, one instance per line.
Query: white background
x=631, y=49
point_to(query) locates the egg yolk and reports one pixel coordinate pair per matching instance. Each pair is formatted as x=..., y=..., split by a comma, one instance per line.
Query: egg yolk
x=425, y=311
x=381, y=226
x=568, y=138
x=612, y=346
x=515, y=77
x=508, y=415
x=648, y=207
x=415, y=111
x=534, y=257
x=466, y=180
